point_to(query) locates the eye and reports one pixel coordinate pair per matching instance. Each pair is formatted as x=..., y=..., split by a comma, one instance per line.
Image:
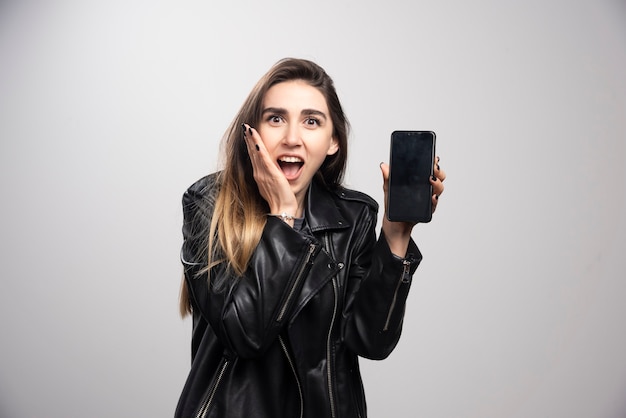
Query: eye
x=311, y=121
x=274, y=119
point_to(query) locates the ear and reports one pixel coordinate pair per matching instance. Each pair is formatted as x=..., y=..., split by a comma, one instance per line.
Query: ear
x=333, y=147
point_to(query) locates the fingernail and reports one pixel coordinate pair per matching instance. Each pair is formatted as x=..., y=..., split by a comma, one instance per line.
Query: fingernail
x=250, y=131
x=257, y=147
x=243, y=128
x=434, y=178
x=438, y=169
x=438, y=159
x=436, y=197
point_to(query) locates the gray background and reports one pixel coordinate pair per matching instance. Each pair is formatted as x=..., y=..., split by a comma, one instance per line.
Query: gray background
x=109, y=110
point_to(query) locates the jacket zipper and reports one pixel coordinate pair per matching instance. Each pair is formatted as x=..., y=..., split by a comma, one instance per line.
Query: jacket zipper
x=329, y=354
x=293, y=369
x=329, y=357
x=292, y=291
x=404, y=278
x=209, y=399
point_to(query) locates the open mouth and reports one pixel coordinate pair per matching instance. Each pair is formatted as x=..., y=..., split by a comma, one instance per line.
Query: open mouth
x=290, y=166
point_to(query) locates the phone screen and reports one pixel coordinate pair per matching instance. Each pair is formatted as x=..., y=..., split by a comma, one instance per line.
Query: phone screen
x=410, y=168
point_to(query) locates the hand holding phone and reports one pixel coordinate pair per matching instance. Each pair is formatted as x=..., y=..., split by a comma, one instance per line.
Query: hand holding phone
x=411, y=161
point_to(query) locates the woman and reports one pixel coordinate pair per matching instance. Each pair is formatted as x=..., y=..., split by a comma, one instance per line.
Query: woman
x=284, y=276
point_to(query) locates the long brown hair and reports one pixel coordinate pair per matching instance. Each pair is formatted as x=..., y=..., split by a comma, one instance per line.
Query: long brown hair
x=240, y=212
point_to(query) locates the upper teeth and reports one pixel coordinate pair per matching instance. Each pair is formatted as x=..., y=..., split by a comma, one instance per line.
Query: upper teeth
x=290, y=159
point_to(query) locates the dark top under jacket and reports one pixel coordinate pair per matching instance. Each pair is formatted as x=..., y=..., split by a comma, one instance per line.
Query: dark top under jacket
x=283, y=340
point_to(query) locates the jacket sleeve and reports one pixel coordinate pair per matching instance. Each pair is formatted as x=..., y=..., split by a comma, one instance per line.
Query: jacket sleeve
x=377, y=289
x=247, y=313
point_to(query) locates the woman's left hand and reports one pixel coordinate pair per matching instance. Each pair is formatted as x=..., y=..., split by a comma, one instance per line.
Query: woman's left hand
x=398, y=234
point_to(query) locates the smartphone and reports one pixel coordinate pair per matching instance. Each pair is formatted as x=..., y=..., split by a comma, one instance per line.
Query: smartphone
x=411, y=160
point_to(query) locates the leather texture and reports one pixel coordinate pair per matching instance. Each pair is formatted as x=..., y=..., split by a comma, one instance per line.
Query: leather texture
x=284, y=339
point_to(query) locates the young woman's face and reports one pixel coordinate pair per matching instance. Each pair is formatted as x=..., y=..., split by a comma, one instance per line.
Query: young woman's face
x=297, y=131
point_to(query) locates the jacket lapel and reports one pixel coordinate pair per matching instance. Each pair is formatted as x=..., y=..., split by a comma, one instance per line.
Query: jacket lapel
x=321, y=210
x=322, y=215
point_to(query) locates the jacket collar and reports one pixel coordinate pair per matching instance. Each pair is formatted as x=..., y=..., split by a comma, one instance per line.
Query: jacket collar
x=321, y=209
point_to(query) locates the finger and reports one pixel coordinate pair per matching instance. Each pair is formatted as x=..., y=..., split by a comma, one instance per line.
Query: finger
x=437, y=182
x=248, y=136
x=384, y=169
x=438, y=172
x=437, y=185
x=258, y=148
x=259, y=168
x=247, y=140
x=265, y=169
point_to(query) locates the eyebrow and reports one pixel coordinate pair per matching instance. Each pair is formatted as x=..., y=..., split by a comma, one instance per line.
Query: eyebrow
x=281, y=111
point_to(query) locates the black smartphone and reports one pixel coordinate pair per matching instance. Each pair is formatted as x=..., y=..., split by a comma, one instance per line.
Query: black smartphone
x=411, y=160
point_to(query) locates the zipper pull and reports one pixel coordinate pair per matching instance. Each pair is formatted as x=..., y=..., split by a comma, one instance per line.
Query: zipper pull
x=406, y=268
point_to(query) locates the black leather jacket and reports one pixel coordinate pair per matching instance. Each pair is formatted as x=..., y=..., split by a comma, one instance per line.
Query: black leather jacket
x=283, y=340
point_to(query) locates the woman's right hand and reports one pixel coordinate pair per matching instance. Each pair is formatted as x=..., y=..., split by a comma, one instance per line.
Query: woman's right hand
x=271, y=181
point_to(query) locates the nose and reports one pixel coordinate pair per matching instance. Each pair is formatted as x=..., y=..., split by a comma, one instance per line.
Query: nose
x=293, y=136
